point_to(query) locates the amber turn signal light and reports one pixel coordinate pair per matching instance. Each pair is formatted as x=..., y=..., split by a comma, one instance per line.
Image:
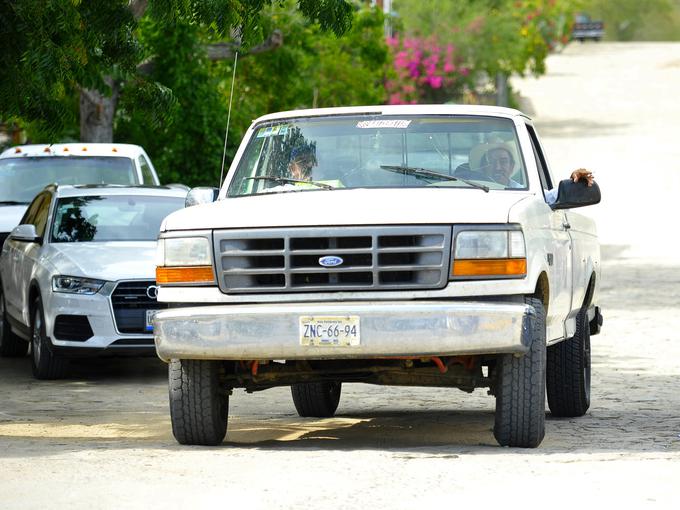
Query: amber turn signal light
x=194, y=274
x=489, y=267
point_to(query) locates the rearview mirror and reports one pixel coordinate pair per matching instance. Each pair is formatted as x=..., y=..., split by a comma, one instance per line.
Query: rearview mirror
x=201, y=195
x=572, y=194
x=25, y=233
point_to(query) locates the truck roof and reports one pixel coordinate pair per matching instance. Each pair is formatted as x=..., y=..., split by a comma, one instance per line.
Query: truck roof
x=435, y=109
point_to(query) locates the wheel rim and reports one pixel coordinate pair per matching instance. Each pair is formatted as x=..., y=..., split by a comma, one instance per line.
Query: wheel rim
x=36, y=343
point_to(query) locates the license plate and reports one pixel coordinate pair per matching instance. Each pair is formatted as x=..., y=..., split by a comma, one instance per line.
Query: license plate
x=149, y=319
x=324, y=331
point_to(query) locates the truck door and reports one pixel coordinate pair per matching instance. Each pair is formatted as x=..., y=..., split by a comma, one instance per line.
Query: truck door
x=558, y=254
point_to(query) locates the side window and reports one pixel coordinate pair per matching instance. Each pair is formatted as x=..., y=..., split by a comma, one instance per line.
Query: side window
x=30, y=214
x=147, y=175
x=42, y=213
x=543, y=173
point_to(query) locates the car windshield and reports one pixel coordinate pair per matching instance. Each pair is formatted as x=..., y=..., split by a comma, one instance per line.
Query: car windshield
x=22, y=178
x=111, y=218
x=379, y=151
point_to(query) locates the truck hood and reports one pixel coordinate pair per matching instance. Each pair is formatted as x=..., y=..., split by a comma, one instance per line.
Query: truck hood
x=113, y=260
x=10, y=216
x=350, y=207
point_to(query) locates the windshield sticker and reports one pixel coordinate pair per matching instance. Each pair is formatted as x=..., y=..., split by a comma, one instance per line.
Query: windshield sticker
x=398, y=124
x=278, y=130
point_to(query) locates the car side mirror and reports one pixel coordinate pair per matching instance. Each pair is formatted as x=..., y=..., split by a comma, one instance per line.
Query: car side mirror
x=201, y=195
x=572, y=194
x=25, y=234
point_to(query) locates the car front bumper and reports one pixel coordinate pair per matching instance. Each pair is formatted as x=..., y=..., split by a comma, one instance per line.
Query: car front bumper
x=105, y=339
x=392, y=328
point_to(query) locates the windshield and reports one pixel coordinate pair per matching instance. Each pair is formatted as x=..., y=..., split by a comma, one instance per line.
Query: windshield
x=22, y=178
x=371, y=151
x=111, y=218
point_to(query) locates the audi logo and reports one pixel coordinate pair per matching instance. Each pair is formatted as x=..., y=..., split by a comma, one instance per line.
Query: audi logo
x=152, y=291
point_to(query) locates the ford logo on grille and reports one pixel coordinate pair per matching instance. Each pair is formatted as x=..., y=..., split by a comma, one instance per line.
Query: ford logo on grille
x=330, y=261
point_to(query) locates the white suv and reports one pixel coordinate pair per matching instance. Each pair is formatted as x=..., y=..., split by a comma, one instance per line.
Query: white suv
x=77, y=276
x=26, y=169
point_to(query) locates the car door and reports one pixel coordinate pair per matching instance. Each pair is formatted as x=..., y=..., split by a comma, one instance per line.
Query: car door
x=559, y=254
x=28, y=254
x=11, y=275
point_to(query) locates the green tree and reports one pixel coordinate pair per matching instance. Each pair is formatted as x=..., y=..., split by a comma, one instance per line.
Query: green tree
x=55, y=49
x=482, y=39
x=312, y=67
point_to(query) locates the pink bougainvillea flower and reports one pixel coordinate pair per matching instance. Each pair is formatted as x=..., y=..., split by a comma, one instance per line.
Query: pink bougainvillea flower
x=395, y=99
x=436, y=82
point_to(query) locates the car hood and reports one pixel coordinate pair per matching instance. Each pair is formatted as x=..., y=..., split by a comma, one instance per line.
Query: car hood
x=10, y=216
x=350, y=207
x=114, y=260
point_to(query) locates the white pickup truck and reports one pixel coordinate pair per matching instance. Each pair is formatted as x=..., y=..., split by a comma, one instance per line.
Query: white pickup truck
x=398, y=245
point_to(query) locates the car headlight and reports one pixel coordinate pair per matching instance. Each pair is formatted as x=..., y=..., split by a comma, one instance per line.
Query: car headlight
x=489, y=254
x=184, y=260
x=76, y=285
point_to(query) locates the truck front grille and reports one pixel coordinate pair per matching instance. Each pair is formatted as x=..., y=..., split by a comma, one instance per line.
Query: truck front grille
x=130, y=302
x=373, y=258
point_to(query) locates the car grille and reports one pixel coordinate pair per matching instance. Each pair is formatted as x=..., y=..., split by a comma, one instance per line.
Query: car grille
x=130, y=303
x=373, y=258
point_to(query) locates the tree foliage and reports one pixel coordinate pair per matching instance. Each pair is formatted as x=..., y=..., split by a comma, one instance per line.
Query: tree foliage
x=312, y=68
x=448, y=48
x=51, y=49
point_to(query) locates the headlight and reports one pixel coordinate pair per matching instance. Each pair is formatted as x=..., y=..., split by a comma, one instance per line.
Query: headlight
x=489, y=253
x=184, y=260
x=76, y=285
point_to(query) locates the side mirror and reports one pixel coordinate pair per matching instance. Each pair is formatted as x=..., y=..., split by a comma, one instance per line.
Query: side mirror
x=201, y=195
x=25, y=234
x=572, y=194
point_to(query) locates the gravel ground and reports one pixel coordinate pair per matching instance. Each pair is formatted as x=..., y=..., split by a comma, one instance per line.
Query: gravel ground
x=102, y=438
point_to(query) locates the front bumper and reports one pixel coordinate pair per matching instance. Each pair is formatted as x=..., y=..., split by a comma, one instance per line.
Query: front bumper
x=392, y=328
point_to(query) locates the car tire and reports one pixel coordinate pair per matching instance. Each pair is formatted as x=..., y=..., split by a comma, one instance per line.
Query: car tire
x=11, y=346
x=45, y=364
x=520, y=390
x=317, y=399
x=568, y=372
x=199, y=403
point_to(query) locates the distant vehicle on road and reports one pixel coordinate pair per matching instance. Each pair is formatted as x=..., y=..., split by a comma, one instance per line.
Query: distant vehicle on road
x=585, y=29
x=26, y=169
x=77, y=275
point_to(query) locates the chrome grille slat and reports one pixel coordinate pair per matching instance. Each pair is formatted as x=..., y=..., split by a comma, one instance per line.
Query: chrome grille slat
x=374, y=258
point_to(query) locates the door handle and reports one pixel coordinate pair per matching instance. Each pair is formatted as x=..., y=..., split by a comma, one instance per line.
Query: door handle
x=566, y=225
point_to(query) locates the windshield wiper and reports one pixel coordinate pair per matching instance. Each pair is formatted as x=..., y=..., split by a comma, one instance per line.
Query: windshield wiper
x=425, y=173
x=12, y=202
x=285, y=180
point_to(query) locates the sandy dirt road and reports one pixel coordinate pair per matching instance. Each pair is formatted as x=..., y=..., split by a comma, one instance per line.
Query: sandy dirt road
x=102, y=439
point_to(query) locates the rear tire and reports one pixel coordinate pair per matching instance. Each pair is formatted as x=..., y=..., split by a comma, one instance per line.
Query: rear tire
x=199, y=404
x=316, y=400
x=520, y=390
x=568, y=377
x=44, y=363
x=11, y=346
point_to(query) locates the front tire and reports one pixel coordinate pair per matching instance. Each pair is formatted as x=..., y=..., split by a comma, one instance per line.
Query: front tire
x=317, y=399
x=11, y=346
x=568, y=377
x=520, y=390
x=44, y=363
x=199, y=404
